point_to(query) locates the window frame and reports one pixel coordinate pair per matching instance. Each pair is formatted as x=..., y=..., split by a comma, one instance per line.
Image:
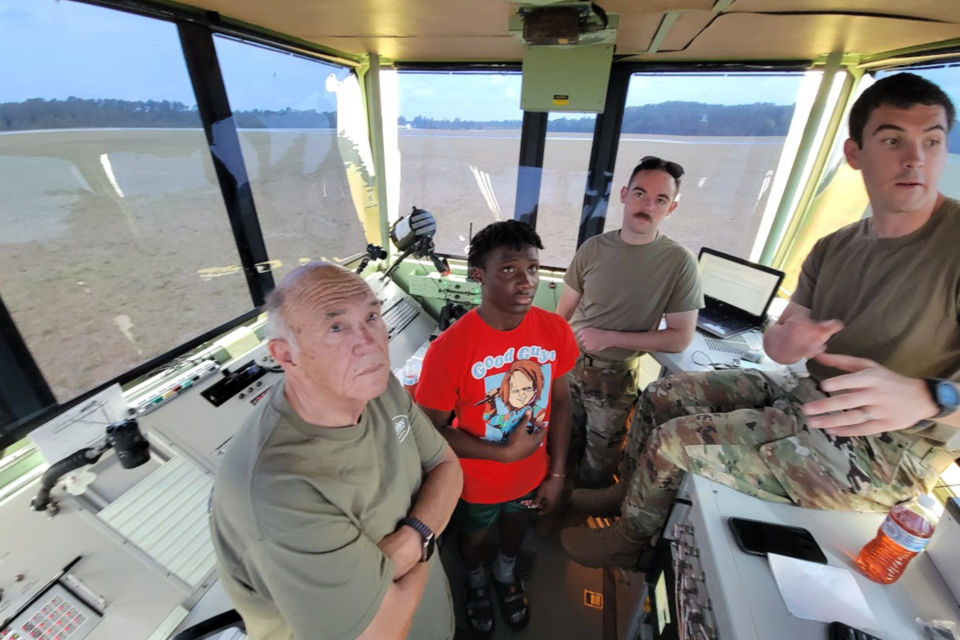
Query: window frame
x=21, y=376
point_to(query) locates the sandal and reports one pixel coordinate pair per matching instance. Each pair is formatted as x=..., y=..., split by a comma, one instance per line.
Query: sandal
x=512, y=600
x=478, y=609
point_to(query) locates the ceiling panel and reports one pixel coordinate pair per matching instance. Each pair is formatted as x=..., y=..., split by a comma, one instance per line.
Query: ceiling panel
x=454, y=30
x=768, y=37
x=686, y=29
x=943, y=10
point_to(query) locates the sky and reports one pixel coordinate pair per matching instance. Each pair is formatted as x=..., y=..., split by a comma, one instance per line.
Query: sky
x=65, y=49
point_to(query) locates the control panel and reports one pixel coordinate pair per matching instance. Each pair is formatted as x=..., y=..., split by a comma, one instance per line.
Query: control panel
x=451, y=288
x=56, y=615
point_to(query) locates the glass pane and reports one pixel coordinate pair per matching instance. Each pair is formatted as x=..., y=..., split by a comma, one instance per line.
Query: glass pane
x=565, y=166
x=727, y=131
x=286, y=110
x=459, y=150
x=112, y=227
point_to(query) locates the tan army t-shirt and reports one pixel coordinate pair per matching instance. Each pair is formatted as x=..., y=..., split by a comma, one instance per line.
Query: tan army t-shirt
x=629, y=287
x=298, y=511
x=898, y=298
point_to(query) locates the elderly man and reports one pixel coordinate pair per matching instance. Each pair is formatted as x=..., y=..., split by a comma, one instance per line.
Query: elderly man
x=328, y=500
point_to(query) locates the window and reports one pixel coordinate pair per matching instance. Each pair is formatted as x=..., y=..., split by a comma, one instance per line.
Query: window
x=306, y=173
x=565, y=166
x=115, y=246
x=727, y=131
x=459, y=139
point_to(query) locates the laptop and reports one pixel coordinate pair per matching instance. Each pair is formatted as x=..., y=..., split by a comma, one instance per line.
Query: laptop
x=736, y=293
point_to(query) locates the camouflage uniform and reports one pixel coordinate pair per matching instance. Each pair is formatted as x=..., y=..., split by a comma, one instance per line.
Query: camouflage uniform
x=602, y=401
x=745, y=429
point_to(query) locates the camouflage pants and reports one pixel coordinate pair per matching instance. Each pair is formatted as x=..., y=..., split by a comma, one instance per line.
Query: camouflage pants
x=745, y=429
x=602, y=401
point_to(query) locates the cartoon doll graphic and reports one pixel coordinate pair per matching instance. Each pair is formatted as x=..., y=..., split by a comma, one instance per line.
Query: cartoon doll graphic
x=519, y=393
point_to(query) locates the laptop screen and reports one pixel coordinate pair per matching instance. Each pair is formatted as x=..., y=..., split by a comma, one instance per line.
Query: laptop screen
x=738, y=283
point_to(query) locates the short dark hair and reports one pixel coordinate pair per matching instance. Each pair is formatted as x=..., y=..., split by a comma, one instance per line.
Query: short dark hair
x=900, y=91
x=511, y=233
x=653, y=163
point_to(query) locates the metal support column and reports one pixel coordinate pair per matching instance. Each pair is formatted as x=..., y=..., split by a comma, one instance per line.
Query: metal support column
x=795, y=181
x=23, y=390
x=533, y=140
x=221, y=130
x=371, y=89
x=603, y=156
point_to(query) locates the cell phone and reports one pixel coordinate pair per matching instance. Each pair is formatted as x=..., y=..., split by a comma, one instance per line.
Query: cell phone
x=760, y=538
x=840, y=631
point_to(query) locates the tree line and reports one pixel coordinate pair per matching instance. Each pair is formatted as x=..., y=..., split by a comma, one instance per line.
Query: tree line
x=666, y=118
x=78, y=113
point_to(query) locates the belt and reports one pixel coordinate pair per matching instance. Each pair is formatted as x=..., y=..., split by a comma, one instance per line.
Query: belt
x=616, y=365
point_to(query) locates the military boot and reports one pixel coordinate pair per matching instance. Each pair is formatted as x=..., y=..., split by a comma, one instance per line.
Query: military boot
x=616, y=546
x=603, y=503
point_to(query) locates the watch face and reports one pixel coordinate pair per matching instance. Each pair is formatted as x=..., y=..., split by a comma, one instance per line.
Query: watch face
x=947, y=395
x=428, y=547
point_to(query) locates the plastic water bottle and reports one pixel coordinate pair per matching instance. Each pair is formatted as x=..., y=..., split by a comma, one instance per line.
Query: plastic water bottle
x=411, y=375
x=904, y=534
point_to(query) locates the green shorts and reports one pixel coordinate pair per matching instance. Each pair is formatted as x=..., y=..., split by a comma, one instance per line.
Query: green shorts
x=477, y=517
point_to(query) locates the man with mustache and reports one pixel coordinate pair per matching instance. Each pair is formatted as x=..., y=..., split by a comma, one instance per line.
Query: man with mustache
x=876, y=313
x=328, y=500
x=618, y=288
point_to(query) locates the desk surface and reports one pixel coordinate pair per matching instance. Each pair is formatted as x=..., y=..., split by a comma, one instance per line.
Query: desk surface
x=746, y=600
x=699, y=355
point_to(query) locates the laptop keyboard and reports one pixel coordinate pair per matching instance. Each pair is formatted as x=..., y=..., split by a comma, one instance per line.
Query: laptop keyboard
x=732, y=325
x=735, y=345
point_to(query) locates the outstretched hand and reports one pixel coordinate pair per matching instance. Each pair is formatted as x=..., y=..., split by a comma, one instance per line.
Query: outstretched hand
x=801, y=337
x=877, y=399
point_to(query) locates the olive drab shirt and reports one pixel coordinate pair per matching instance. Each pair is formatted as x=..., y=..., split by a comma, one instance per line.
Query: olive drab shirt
x=298, y=511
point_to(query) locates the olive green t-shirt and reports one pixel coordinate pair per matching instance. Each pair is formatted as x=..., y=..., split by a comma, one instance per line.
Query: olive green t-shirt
x=298, y=511
x=629, y=287
x=898, y=298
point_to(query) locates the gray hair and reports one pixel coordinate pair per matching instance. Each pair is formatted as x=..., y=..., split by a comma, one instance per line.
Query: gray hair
x=277, y=326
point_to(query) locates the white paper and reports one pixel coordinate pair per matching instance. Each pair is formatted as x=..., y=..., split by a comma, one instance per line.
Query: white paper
x=81, y=426
x=819, y=592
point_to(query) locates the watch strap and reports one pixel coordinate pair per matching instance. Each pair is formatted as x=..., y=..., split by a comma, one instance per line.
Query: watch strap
x=425, y=532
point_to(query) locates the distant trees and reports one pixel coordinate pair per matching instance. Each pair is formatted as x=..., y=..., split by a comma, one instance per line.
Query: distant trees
x=77, y=113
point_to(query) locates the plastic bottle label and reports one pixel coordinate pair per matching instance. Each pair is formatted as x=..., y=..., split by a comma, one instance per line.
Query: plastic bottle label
x=899, y=535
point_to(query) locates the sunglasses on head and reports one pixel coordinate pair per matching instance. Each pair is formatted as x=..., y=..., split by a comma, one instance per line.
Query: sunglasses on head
x=653, y=162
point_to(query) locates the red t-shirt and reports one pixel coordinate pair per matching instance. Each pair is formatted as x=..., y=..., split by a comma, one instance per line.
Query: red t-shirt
x=470, y=362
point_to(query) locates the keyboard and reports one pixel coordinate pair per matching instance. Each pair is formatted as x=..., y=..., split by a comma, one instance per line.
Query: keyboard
x=722, y=324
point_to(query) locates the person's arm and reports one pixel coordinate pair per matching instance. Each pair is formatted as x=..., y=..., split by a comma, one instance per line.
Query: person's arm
x=795, y=335
x=433, y=507
x=558, y=441
x=520, y=444
x=569, y=300
x=876, y=400
x=674, y=338
x=395, y=615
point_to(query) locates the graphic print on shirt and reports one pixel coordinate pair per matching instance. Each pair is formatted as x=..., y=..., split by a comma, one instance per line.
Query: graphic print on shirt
x=512, y=394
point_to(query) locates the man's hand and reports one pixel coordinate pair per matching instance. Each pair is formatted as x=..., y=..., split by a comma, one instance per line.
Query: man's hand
x=594, y=340
x=801, y=337
x=520, y=443
x=878, y=399
x=549, y=493
x=405, y=548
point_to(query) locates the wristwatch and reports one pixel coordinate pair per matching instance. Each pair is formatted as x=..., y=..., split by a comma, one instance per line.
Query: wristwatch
x=945, y=394
x=429, y=539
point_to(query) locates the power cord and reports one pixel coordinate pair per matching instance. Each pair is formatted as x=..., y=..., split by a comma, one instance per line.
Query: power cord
x=710, y=364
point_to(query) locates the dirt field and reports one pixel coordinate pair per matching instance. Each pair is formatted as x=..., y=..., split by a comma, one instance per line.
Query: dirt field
x=448, y=172
x=115, y=246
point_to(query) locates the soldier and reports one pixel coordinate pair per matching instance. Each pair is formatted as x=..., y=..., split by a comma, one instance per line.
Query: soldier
x=868, y=429
x=616, y=323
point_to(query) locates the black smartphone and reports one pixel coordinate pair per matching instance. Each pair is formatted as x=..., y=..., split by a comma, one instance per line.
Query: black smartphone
x=761, y=538
x=840, y=631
